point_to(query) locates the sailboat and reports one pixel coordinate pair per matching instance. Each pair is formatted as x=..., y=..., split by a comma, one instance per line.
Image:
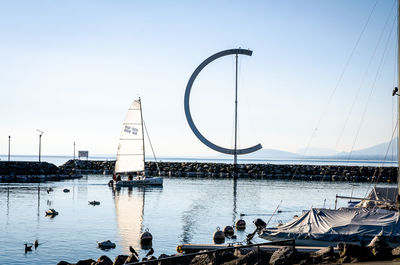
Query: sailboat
x=377, y=214
x=131, y=151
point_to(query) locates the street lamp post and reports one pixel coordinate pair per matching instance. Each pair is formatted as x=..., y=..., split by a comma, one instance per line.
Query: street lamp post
x=74, y=150
x=40, y=142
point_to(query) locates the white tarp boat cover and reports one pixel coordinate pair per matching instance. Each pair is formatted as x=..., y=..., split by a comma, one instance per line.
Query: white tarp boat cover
x=342, y=225
x=386, y=196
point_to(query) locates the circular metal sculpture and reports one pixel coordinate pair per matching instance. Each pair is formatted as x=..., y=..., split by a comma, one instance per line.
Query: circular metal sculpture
x=189, y=116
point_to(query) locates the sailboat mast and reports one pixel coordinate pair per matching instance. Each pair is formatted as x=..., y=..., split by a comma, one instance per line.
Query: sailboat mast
x=398, y=102
x=236, y=95
x=141, y=118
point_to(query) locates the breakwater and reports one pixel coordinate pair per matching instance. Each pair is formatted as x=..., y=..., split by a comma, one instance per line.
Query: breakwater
x=22, y=171
x=262, y=171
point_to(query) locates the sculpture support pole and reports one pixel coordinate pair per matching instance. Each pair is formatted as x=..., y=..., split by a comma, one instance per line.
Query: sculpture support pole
x=187, y=108
x=236, y=103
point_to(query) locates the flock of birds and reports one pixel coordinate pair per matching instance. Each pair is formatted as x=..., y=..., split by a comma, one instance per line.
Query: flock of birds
x=28, y=247
x=51, y=213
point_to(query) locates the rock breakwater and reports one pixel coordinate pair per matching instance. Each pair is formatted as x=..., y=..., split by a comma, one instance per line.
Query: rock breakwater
x=264, y=171
x=23, y=171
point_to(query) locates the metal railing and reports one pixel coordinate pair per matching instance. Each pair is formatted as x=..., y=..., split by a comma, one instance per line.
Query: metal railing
x=217, y=252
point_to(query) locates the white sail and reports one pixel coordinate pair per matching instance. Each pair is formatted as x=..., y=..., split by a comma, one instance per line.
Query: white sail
x=130, y=155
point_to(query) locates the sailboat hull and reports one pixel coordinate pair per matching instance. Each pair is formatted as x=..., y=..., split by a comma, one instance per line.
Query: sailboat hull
x=140, y=182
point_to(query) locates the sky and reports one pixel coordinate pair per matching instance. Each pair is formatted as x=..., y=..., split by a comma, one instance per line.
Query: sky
x=321, y=73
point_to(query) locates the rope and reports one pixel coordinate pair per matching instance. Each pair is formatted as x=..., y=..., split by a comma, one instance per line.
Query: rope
x=323, y=113
x=364, y=77
x=361, y=84
x=371, y=91
x=155, y=158
x=387, y=151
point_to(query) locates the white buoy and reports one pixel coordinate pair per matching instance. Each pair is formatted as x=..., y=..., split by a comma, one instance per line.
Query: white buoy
x=219, y=236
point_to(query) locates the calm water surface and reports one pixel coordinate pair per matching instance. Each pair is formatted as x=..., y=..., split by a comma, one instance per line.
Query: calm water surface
x=182, y=211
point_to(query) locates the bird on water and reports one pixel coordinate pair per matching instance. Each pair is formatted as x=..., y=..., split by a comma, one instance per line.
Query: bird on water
x=28, y=248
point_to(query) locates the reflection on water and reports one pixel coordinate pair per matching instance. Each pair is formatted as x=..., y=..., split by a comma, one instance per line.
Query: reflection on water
x=190, y=218
x=183, y=211
x=129, y=212
x=234, y=200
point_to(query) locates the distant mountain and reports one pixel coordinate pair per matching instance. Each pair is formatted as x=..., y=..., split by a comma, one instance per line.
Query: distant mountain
x=266, y=154
x=378, y=151
x=316, y=151
x=271, y=153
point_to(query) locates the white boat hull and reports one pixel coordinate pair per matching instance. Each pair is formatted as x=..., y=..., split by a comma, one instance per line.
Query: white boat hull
x=140, y=182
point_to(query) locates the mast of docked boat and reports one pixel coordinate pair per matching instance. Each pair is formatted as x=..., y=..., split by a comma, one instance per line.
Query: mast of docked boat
x=141, y=118
x=398, y=105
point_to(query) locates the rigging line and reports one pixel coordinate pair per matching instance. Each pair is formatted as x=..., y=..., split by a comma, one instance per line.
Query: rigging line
x=323, y=113
x=343, y=72
x=155, y=158
x=362, y=82
x=365, y=75
x=371, y=91
x=387, y=150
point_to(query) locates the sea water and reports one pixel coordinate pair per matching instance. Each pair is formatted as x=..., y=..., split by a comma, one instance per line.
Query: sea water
x=184, y=210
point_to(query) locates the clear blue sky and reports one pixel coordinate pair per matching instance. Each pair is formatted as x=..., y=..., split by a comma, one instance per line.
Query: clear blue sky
x=72, y=68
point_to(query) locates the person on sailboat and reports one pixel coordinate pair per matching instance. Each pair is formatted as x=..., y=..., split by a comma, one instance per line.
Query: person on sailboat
x=130, y=178
x=118, y=177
